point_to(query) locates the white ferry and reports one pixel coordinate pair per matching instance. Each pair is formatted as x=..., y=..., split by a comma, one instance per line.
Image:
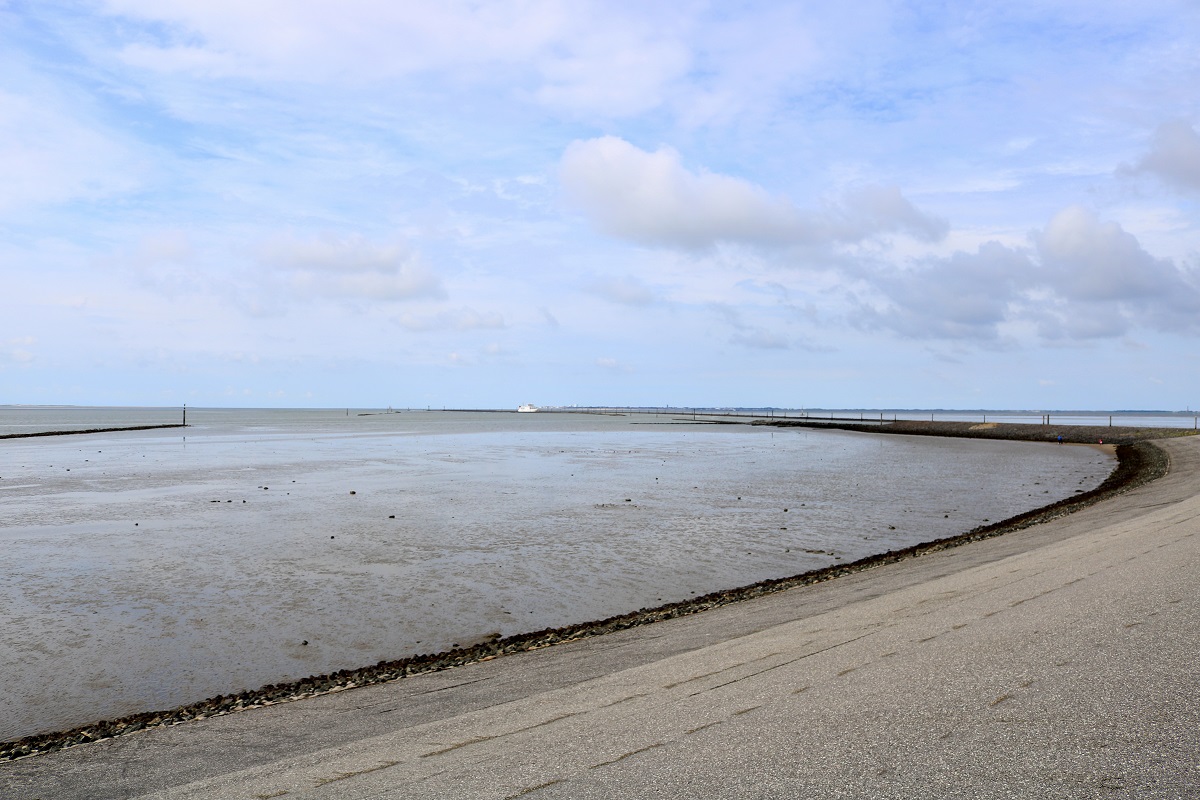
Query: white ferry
x=527, y=408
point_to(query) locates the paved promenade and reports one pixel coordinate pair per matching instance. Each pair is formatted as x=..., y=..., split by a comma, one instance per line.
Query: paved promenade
x=1060, y=661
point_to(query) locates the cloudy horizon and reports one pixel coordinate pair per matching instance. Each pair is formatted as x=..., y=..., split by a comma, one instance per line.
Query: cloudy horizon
x=890, y=205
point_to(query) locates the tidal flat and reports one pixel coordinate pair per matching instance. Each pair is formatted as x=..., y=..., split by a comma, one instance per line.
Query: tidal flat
x=148, y=569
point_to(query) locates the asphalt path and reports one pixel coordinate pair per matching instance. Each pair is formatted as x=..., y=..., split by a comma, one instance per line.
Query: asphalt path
x=1058, y=661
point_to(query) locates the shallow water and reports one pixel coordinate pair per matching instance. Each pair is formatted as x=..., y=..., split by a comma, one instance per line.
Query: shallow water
x=144, y=570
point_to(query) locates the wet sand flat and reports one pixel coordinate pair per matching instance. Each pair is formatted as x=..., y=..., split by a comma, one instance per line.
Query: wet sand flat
x=141, y=571
x=1055, y=661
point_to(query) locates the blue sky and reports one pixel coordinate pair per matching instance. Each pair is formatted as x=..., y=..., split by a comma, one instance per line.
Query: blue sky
x=877, y=204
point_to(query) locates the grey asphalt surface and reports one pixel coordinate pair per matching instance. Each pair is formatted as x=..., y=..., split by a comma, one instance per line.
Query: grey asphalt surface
x=1057, y=662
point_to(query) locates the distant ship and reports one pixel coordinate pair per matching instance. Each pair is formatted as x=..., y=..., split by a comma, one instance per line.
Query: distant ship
x=527, y=408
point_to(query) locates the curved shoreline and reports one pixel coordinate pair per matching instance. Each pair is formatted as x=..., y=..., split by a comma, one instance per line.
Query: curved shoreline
x=1138, y=463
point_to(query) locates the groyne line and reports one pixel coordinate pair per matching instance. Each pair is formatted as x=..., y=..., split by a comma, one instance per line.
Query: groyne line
x=1137, y=464
x=91, y=430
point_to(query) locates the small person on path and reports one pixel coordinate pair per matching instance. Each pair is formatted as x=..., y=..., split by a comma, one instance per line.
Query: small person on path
x=1060, y=438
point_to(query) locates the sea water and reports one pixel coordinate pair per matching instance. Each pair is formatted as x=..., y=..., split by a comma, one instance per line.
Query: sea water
x=142, y=570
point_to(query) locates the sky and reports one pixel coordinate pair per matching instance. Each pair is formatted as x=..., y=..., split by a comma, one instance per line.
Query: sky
x=875, y=204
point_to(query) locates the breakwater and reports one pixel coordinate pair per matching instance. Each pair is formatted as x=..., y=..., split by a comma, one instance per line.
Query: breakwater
x=1007, y=431
x=90, y=430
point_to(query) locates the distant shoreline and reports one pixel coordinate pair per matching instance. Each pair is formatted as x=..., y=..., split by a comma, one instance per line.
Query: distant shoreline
x=1010, y=431
x=90, y=430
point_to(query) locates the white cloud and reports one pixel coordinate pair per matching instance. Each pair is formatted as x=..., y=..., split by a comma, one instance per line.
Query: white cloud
x=1019, y=144
x=462, y=319
x=168, y=246
x=754, y=335
x=745, y=61
x=624, y=290
x=622, y=69
x=760, y=339
x=1084, y=258
x=50, y=155
x=578, y=56
x=654, y=199
x=146, y=146
x=495, y=349
x=17, y=349
x=351, y=267
x=965, y=296
x=1174, y=155
x=1107, y=281
x=163, y=261
x=1064, y=322
x=318, y=41
x=875, y=209
x=1081, y=278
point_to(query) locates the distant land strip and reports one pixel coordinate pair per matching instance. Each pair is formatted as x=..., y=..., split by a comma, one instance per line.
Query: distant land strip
x=1012, y=431
x=91, y=430
x=1138, y=463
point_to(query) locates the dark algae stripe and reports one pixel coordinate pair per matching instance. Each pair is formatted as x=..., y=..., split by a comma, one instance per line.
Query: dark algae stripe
x=90, y=430
x=1138, y=463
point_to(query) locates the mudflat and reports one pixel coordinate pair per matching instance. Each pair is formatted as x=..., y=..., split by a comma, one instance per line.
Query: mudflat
x=150, y=580
x=1053, y=661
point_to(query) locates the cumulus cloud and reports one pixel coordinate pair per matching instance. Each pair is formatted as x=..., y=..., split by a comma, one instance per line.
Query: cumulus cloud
x=1063, y=322
x=462, y=319
x=1085, y=258
x=351, y=268
x=963, y=296
x=1096, y=265
x=1174, y=155
x=873, y=209
x=1080, y=278
x=653, y=198
x=624, y=290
